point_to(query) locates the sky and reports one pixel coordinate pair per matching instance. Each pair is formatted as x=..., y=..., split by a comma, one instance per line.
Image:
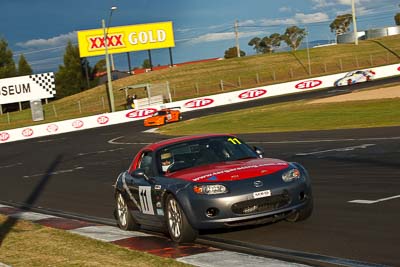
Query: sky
x=40, y=29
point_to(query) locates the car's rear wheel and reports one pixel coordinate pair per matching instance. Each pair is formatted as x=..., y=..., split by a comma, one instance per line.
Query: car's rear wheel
x=302, y=214
x=124, y=217
x=178, y=226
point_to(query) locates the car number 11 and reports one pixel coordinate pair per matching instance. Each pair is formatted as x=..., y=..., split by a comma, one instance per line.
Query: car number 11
x=265, y=193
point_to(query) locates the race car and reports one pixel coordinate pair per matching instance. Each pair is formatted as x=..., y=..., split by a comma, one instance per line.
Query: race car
x=355, y=77
x=163, y=116
x=209, y=181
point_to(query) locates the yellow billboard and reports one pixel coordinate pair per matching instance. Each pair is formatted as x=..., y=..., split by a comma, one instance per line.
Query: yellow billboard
x=126, y=39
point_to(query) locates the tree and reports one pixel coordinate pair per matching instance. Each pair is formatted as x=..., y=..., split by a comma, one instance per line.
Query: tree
x=269, y=43
x=100, y=66
x=23, y=67
x=276, y=39
x=256, y=43
x=7, y=64
x=293, y=36
x=265, y=45
x=70, y=78
x=146, y=64
x=341, y=24
x=397, y=19
x=232, y=52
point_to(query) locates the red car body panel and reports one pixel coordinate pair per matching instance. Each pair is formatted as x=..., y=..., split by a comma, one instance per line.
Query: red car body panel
x=231, y=171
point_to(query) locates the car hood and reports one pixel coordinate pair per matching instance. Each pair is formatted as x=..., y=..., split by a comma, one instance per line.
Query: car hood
x=231, y=171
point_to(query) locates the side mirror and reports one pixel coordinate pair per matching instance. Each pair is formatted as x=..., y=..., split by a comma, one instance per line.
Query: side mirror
x=259, y=151
x=139, y=173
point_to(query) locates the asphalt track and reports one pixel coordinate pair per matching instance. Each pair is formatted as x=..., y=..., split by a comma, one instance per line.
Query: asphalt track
x=73, y=173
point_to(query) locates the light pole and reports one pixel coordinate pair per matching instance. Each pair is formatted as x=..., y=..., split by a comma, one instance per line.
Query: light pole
x=353, y=11
x=237, y=38
x=308, y=54
x=109, y=82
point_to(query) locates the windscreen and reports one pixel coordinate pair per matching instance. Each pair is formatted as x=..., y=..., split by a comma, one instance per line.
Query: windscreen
x=202, y=152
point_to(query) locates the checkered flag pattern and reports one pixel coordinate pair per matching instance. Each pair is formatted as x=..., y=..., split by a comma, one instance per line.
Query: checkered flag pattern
x=46, y=81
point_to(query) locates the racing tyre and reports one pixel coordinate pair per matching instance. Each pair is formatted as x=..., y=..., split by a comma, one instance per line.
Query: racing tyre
x=302, y=214
x=124, y=217
x=178, y=226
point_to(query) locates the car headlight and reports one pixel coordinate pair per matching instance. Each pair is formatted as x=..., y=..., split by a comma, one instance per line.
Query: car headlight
x=210, y=189
x=291, y=175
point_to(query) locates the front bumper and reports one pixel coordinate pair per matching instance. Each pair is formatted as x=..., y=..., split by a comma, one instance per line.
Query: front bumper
x=230, y=210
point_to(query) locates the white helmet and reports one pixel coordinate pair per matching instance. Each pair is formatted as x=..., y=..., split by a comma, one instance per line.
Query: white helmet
x=166, y=160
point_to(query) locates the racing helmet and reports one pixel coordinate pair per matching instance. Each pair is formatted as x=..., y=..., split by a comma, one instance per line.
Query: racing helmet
x=166, y=160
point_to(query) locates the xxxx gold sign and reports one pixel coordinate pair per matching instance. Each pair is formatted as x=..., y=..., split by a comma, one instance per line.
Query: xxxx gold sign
x=126, y=39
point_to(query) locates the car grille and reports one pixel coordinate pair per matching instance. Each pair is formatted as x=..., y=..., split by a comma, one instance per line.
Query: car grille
x=264, y=204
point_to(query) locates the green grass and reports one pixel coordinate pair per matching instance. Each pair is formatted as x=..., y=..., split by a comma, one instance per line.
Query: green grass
x=294, y=116
x=28, y=244
x=200, y=79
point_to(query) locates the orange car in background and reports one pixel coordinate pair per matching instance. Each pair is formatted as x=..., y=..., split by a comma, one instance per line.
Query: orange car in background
x=163, y=116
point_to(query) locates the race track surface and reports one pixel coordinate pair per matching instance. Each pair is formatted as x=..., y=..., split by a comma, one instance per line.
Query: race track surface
x=355, y=177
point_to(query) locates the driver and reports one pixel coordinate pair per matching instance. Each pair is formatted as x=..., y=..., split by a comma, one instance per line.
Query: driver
x=166, y=160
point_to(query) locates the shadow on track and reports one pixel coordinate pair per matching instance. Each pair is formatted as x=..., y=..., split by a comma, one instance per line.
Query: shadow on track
x=7, y=226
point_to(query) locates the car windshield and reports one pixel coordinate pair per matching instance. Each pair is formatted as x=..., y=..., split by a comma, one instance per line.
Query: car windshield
x=160, y=113
x=203, y=152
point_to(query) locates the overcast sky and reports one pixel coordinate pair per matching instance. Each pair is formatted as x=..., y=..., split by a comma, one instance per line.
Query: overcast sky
x=203, y=29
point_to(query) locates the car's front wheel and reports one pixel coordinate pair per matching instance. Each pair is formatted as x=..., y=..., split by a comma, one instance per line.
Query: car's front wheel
x=179, y=227
x=124, y=218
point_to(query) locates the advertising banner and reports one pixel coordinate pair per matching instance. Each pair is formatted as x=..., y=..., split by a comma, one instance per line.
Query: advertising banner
x=126, y=39
x=27, y=88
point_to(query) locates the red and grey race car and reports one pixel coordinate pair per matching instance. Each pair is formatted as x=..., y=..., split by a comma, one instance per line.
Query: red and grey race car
x=355, y=77
x=209, y=181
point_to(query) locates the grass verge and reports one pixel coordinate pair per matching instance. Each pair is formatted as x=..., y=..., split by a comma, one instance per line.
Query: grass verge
x=29, y=244
x=294, y=116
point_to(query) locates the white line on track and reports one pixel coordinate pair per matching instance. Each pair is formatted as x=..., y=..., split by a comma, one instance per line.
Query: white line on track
x=152, y=130
x=50, y=140
x=11, y=165
x=115, y=142
x=350, y=148
x=364, y=201
x=326, y=140
x=100, y=152
x=53, y=173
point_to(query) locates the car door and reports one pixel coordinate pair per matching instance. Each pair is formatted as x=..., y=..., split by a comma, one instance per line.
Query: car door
x=168, y=115
x=143, y=191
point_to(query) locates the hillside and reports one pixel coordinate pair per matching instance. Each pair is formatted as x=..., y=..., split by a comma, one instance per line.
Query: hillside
x=187, y=81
